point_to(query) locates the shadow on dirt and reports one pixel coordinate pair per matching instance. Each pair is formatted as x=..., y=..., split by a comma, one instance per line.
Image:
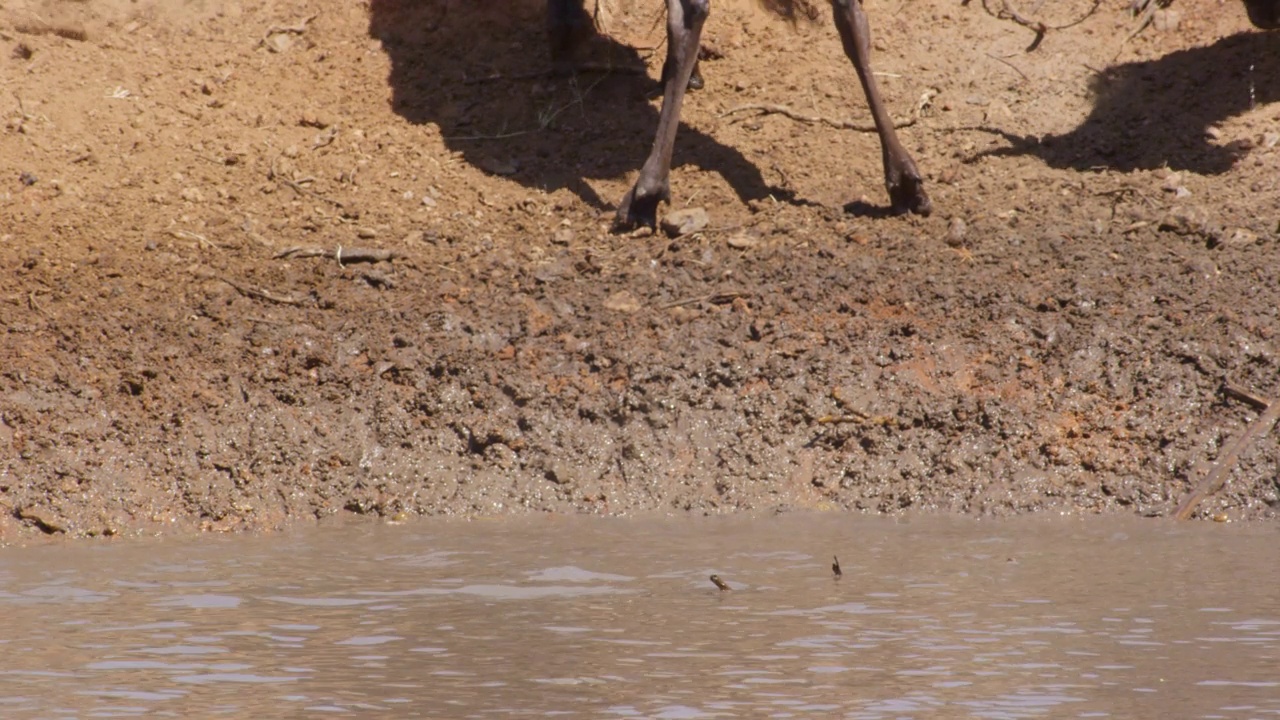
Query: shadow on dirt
x=480, y=72
x=1154, y=114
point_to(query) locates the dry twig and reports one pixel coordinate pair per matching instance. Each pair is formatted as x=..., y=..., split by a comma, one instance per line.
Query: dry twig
x=768, y=109
x=1245, y=396
x=297, y=187
x=261, y=294
x=1015, y=68
x=341, y=254
x=1217, y=477
x=1007, y=12
x=70, y=31
x=713, y=298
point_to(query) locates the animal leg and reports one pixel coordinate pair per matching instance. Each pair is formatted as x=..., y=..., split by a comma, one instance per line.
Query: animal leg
x=639, y=206
x=906, y=187
x=568, y=24
x=670, y=65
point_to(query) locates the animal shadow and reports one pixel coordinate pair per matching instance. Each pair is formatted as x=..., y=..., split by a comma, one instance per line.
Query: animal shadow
x=1155, y=113
x=479, y=70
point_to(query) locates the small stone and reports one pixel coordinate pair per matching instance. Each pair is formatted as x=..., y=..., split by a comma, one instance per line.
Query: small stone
x=366, y=233
x=742, y=241
x=956, y=231
x=622, y=301
x=685, y=221
x=1242, y=236
x=1191, y=220
x=563, y=236
x=279, y=43
x=561, y=473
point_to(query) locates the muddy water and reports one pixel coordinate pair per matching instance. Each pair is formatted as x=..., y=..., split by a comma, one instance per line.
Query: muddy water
x=617, y=618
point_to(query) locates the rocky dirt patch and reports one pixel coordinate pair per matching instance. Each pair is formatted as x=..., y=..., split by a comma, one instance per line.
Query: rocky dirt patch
x=274, y=261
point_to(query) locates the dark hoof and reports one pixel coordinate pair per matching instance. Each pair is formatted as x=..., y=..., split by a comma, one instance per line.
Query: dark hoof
x=637, y=211
x=908, y=196
x=695, y=80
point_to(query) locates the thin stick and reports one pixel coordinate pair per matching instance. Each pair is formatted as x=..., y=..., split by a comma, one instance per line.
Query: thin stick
x=342, y=255
x=713, y=298
x=997, y=58
x=767, y=109
x=1008, y=13
x=1243, y=395
x=298, y=188
x=261, y=294
x=1217, y=477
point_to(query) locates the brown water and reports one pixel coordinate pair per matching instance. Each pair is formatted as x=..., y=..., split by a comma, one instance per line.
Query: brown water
x=555, y=616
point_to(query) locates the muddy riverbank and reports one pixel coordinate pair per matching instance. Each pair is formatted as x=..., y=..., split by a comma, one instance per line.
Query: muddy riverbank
x=1055, y=337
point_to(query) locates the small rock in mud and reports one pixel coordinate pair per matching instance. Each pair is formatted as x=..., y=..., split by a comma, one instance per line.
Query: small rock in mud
x=561, y=473
x=563, y=236
x=956, y=230
x=622, y=301
x=742, y=241
x=1173, y=183
x=685, y=221
x=279, y=43
x=1192, y=221
x=1242, y=236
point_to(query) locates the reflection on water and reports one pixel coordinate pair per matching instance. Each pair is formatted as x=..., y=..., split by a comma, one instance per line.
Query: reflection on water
x=933, y=618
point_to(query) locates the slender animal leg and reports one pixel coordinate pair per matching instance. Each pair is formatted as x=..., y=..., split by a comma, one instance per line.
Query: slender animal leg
x=906, y=187
x=670, y=65
x=639, y=206
x=567, y=25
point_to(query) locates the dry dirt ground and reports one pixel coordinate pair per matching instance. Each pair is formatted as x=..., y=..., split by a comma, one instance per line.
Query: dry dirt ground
x=1056, y=337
